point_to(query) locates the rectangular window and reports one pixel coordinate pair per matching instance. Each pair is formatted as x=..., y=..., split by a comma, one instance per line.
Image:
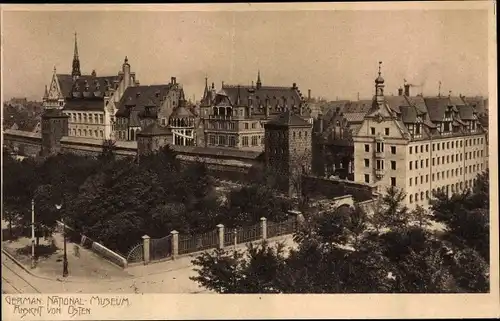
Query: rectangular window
x=164, y=122
x=433, y=147
x=448, y=145
x=411, y=149
x=222, y=140
x=427, y=178
x=427, y=162
x=211, y=140
x=380, y=147
x=254, y=140
x=393, y=149
x=452, y=158
x=232, y=141
x=387, y=131
x=367, y=178
x=421, y=148
x=393, y=181
x=373, y=130
x=393, y=165
x=254, y=125
x=367, y=162
x=421, y=179
x=433, y=161
x=433, y=177
x=421, y=163
x=380, y=164
x=411, y=180
x=367, y=148
x=438, y=146
x=427, y=147
x=416, y=149
x=411, y=163
x=416, y=164
x=245, y=140
x=246, y=125
x=416, y=180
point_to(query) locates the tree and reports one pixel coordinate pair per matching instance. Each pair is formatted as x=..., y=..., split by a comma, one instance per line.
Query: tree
x=248, y=204
x=108, y=150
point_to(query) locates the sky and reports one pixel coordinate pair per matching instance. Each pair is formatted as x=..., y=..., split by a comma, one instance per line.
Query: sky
x=333, y=53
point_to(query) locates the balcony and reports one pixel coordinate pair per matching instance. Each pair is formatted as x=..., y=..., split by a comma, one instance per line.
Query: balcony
x=379, y=173
x=220, y=117
x=379, y=155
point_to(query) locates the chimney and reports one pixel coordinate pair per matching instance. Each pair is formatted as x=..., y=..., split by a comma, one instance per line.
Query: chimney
x=400, y=91
x=294, y=86
x=309, y=94
x=267, y=108
x=407, y=90
x=320, y=123
x=173, y=80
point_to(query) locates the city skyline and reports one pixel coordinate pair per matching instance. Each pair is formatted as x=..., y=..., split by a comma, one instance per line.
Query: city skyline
x=423, y=47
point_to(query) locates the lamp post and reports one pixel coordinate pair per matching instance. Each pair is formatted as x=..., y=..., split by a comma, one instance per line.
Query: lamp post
x=65, y=257
x=33, y=260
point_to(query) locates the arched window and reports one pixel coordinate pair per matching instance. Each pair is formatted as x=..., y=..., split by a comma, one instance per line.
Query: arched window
x=416, y=197
x=421, y=196
x=411, y=198
x=84, y=132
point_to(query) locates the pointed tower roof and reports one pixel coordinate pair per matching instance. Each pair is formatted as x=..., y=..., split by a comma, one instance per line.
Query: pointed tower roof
x=46, y=94
x=76, y=61
x=259, y=82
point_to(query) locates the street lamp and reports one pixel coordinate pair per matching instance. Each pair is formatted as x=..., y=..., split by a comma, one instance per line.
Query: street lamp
x=33, y=260
x=65, y=257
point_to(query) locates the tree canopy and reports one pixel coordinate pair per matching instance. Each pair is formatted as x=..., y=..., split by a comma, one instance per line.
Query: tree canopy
x=344, y=250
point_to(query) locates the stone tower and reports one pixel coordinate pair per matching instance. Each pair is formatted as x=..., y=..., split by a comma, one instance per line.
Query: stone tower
x=54, y=127
x=288, y=143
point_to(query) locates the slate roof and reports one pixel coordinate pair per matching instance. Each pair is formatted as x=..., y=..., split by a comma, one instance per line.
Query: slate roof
x=181, y=112
x=217, y=151
x=275, y=96
x=154, y=129
x=288, y=119
x=87, y=86
x=87, y=104
x=141, y=96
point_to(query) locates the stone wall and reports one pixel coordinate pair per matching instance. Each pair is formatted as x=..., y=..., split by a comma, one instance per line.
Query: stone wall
x=318, y=186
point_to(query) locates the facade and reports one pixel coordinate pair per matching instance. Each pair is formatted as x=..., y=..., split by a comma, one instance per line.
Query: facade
x=183, y=124
x=88, y=100
x=234, y=116
x=288, y=141
x=140, y=105
x=419, y=144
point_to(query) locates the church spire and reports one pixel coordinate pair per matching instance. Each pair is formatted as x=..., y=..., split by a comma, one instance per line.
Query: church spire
x=76, y=62
x=259, y=82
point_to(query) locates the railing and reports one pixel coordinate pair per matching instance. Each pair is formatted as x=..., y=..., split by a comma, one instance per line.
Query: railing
x=248, y=234
x=136, y=254
x=229, y=235
x=160, y=249
x=195, y=243
x=281, y=228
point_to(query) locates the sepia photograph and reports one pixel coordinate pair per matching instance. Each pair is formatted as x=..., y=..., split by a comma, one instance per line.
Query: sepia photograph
x=248, y=149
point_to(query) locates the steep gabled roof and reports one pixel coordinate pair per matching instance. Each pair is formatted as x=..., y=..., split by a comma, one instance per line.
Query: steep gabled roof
x=93, y=83
x=140, y=97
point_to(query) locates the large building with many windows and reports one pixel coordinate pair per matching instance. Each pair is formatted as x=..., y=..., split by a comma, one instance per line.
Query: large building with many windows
x=89, y=101
x=234, y=116
x=419, y=144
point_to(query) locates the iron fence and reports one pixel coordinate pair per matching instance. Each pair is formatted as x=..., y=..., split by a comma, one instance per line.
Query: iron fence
x=248, y=234
x=200, y=242
x=160, y=249
x=136, y=254
x=281, y=228
x=229, y=235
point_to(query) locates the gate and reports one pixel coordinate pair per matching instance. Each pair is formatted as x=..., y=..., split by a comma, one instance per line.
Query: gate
x=136, y=254
x=160, y=249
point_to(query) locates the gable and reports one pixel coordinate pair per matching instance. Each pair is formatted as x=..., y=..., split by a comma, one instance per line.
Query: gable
x=54, y=89
x=396, y=129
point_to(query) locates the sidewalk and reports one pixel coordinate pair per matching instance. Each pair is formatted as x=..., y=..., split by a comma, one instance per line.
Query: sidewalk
x=164, y=277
